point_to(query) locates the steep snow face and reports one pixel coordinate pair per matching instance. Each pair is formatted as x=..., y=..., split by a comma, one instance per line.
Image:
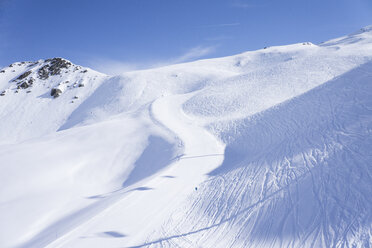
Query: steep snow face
x=269, y=148
x=26, y=102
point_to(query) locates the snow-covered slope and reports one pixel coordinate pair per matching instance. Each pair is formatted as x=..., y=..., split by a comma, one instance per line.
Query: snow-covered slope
x=269, y=148
x=27, y=108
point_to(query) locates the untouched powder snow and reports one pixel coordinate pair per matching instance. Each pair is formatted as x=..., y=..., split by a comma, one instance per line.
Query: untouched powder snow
x=68, y=176
x=269, y=148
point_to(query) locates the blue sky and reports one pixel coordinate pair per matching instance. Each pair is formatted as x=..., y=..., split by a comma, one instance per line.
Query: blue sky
x=117, y=35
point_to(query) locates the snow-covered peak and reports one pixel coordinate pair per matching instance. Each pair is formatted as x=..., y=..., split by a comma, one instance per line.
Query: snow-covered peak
x=49, y=72
x=42, y=94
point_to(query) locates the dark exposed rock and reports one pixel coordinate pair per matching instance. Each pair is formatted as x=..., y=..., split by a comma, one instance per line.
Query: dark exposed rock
x=2, y=93
x=53, y=68
x=43, y=72
x=55, y=92
x=24, y=85
x=2, y=71
x=24, y=75
x=56, y=64
x=32, y=64
x=29, y=91
x=81, y=85
x=84, y=71
x=76, y=97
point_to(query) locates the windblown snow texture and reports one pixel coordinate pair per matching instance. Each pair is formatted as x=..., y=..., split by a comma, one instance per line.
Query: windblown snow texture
x=269, y=148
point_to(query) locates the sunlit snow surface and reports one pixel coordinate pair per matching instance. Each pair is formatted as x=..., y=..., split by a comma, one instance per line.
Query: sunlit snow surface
x=270, y=148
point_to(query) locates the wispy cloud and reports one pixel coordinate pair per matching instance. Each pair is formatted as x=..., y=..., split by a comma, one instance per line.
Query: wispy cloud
x=218, y=38
x=115, y=67
x=221, y=25
x=194, y=53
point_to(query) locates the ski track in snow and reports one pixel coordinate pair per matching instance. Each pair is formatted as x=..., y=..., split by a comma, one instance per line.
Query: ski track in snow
x=270, y=148
x=270, y=193
x=304, y=179
x=202, y=154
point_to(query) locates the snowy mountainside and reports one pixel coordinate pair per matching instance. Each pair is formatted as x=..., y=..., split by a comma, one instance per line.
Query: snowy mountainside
x=297, y=175
x=26, y=102
x=268, y=148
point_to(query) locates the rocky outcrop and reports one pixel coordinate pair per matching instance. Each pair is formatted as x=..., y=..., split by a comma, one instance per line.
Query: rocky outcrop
x=34, y=75
x=43, y=72
x=55, y=92
x=24, y=75
x=25, y=84
x=53, y=67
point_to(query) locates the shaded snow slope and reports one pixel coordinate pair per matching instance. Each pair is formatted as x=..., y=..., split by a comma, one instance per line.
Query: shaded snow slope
x=57, y=182
x=268, y=148
x=147, y=208
x=297, y=175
